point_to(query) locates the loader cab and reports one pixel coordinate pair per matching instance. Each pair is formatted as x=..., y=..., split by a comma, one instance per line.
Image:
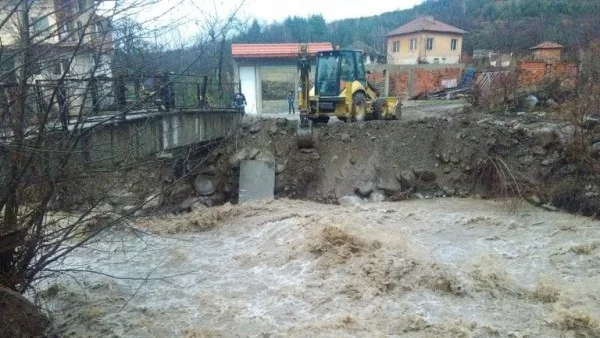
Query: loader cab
x=335, y=67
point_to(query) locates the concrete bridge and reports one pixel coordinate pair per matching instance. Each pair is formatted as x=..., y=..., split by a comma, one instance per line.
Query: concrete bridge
x=114, y=139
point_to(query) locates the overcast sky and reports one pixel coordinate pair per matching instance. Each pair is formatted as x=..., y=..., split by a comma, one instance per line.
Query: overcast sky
x=186, y=18
x=270, y=10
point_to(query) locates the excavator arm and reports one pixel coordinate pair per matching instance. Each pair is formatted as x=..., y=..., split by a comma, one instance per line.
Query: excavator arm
x=305, y=133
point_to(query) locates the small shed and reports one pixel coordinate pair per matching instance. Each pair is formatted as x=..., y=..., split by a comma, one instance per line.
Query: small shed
x=547, y=51
x=268, y=72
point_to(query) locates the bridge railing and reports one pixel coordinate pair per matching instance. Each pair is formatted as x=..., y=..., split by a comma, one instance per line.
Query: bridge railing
x=69, y=98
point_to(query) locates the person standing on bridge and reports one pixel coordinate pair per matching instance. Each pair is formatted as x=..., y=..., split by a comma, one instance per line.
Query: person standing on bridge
x=291, y=101
x=239, y=102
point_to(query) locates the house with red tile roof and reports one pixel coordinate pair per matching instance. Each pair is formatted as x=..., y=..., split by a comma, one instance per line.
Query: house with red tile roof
x=268, y=72
x=425, y=40
x=547, y=51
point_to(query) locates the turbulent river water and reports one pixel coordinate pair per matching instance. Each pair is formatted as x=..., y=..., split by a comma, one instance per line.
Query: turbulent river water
x=423, y=268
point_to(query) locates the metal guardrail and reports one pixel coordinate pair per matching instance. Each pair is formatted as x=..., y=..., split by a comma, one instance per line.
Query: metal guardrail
x=119, y=95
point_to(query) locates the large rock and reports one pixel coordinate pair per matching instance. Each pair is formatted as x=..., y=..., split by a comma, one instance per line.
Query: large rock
x=364, y=189
x=279, y=168
x=425, y=175
x=389, y=185
x=153, y=201
x=235, y=159
x=407, y=178
x=531, y=101
x=20, y=318
x=265, y=156
x=377, y=197
x=595, y=151
x=204, y=186
x=346, y=138
x=210, y=170
x=193, y=204
x=180, y=188
x=350, y=201
x=255, y=128
x=252, y=153
x=526, y=160
x=281, y=122
x=545, y=137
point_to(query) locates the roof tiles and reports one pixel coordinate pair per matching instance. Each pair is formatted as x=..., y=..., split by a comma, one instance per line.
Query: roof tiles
x=275, y=50
x=548, y=45
x=426, y=23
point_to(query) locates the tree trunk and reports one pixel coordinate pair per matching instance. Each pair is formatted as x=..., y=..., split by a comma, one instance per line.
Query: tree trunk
x=220, y=68
x=8, y=275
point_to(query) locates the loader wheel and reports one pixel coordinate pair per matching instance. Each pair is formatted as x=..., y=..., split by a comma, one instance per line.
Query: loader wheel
x=379, y=108
x=359, y=106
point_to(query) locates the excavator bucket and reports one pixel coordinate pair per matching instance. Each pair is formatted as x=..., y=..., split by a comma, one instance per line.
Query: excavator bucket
x=305, y=133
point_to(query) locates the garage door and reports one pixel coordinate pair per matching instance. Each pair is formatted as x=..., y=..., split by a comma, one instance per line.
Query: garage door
x=248, y=84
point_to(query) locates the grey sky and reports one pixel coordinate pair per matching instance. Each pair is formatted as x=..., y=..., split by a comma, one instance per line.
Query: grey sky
x=187, y=18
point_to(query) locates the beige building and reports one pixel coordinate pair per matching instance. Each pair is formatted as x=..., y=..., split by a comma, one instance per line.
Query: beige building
x=56, y=28
x=425, y=40
x=68, y=39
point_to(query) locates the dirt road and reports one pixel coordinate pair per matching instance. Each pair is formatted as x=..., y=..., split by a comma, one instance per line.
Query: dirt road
x=421, y=268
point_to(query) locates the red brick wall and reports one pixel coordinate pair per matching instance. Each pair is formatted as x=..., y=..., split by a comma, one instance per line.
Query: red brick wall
x=533, y=73
x=427, y=80
x=423, y=79
x=377, y=80
x=399, y=84
x=567, y=72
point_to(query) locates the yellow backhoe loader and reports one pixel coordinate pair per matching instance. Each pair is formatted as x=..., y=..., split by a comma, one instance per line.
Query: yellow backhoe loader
x=340, y=89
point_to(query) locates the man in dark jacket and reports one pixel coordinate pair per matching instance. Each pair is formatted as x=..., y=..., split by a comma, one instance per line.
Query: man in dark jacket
x=291, y=100
x=239, y=102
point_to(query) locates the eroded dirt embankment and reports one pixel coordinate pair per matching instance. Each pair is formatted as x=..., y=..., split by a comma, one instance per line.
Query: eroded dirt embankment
x=548, y=162
x=460, y=155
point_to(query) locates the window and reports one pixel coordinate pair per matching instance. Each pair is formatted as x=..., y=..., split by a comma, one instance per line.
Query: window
x=81, y=5
x=327, y=70
x=40, y=24
x=429, y=43
x=443, y=60
x=436, y=61
x=80, y=29
x=454, y=44
x=413, y=44
x=396, y=46
x=60, y=67
x=67, y=29
x=347, y=67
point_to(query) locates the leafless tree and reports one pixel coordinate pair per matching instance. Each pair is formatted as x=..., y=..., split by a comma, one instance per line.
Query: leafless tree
x=55, y=74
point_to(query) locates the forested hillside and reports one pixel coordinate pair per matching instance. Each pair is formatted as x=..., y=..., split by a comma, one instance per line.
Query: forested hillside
x=504, y=25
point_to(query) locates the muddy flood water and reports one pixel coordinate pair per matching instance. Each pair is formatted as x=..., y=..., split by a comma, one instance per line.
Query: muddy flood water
x=423, y=268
